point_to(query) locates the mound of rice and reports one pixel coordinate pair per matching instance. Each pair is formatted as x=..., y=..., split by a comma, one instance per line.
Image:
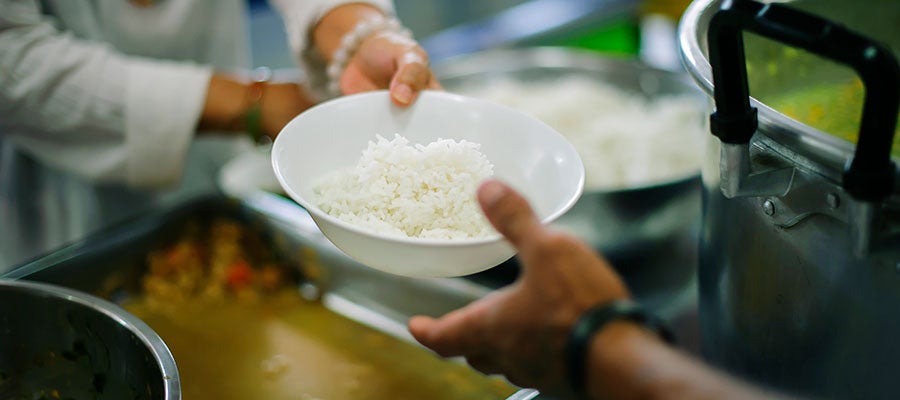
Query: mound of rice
x=624, y=139
x=411, y=191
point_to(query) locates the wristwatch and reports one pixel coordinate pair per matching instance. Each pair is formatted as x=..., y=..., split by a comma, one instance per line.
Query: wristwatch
x=592, y=321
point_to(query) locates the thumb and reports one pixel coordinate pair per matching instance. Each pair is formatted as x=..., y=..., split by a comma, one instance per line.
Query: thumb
x=509, y=212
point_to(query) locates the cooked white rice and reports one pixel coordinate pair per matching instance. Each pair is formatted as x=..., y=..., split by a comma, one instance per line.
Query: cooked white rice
x=411, y=190
x=624, y=140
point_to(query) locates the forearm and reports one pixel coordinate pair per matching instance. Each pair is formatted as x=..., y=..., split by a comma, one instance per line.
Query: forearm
x=628, y=362
x=225, y=105
x=230, y=102
x=306, y=25
x=313, y=40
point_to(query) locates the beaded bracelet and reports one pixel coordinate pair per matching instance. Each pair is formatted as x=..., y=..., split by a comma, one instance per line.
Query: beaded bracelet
x=592, y=321
x=350, y=43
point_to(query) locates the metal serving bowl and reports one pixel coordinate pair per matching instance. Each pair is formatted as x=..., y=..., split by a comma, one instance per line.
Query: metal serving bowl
x=61, y=343
x=622, y=221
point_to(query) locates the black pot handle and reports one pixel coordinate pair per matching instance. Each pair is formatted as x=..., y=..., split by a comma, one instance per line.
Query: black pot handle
x=869, y=175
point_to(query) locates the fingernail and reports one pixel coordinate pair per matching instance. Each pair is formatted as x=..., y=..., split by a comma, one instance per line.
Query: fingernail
x=402, y=93
x=491, y=192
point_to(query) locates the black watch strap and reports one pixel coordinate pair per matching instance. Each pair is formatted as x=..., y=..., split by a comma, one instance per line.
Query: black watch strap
x=592, y=321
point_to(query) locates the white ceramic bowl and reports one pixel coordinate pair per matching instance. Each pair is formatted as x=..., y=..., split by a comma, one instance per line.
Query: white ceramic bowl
x=526, y=153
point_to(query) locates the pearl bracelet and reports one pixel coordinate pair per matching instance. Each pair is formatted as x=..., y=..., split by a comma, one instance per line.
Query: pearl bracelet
x=350, y=43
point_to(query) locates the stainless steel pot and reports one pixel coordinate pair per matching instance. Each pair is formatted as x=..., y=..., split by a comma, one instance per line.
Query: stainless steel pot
x=621, y=222
x=800, y=252
x=61, y=343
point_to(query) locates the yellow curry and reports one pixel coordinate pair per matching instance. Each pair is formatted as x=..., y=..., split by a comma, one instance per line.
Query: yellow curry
x=834, y=108
x=238, y=329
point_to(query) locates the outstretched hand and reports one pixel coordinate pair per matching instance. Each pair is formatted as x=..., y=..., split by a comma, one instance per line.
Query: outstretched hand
x=520, y=331
x=389, y=60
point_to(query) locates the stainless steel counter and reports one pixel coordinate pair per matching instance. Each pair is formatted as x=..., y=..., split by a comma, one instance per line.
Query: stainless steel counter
x=663, y=279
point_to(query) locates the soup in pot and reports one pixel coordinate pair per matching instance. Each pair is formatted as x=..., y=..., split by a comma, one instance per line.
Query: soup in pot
x=832, y=108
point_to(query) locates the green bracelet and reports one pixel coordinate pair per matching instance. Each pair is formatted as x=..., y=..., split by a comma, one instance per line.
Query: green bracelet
x=253, y=114
x=253, y=122
x=592, y=321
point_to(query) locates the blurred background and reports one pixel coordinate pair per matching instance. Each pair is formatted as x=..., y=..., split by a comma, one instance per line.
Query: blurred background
x=630, y=28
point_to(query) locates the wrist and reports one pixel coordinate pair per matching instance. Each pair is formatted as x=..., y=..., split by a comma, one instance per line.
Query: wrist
x=337, y=23
x=612, y=361
x=224, y=106
x=611, y=324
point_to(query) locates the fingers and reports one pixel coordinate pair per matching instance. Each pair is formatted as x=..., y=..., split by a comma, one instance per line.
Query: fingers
x=509, y=213
x=436, y=335
x=484, y=363
x=413, y=75
x=448, y=336
x=354, y=81
x=458, y=333
x=433, y=84
x=394, y=61
x=420, y=326
x=422, y=329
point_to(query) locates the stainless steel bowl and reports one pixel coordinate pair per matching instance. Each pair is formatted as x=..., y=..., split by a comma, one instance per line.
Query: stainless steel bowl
x=621, y=221
x=61, y=343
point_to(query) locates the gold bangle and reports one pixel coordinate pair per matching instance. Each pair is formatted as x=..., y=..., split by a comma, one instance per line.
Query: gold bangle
x=253, y=115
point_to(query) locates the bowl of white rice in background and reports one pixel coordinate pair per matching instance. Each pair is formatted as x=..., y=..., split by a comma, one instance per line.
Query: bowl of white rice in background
x=395, y=188
x=639, y=131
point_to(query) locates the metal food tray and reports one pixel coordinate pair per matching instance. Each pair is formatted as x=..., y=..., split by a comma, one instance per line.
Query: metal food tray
x=380, y=300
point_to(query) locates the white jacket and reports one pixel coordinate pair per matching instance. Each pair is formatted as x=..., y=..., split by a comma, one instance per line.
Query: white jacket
x=98, y=104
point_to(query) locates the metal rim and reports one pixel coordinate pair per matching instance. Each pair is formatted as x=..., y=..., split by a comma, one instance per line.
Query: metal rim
x=540, y=57
x=827, y=154
x=146, y=335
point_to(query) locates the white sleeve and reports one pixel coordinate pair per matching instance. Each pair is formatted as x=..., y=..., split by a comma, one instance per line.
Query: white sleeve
x=300, y=17
x=83, y=107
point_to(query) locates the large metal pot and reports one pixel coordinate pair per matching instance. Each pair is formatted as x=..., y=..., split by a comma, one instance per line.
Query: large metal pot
x=800, y=252
x=622, y=221
x=61, y=343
